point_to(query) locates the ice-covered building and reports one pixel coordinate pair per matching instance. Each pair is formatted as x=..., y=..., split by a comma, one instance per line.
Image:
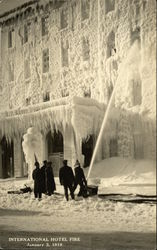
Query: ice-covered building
x=60, y=60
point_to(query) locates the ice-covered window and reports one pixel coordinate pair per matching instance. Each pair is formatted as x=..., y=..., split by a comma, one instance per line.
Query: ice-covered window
x=113, y=147
x=44, y=25
x=28, y=101
x=45, y=60
x=87, y=93
x=46, y=97
x=25, y=33
x=11, y=38
x=11, y=72
x=109, y=5
x=27, y=71
x=85, y=49
x=55, y=142
x=85, y=8
x=63, y=18
x=65, y=53
x=136, y=35
x=111, y=44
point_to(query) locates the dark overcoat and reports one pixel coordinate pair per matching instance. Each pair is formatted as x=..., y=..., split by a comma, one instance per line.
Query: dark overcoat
x=79, y=176
x=36, y=175
x=66, y=176
x=50, y=182
x=43, y=176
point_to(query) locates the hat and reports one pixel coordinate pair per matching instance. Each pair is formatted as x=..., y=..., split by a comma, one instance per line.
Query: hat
x=65, y=161
x=36, y=164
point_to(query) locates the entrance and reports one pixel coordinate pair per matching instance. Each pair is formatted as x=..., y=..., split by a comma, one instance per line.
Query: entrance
x=87, y=150
x=7, y=151
x=55, y=150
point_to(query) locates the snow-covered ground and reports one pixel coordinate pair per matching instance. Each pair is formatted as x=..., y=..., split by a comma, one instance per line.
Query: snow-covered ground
x=125, y=176
x=93, y=214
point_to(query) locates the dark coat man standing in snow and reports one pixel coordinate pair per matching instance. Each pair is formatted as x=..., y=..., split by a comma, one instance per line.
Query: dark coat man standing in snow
x=50, y=182
x=80, y=179
x=43, y=174
x=67, y=179
x=36, y=175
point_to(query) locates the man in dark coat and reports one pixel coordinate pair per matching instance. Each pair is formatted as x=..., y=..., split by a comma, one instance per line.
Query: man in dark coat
x=43, y=174
x=36, y=175
x=67, y=179
x=50, y=182
x=80, y=179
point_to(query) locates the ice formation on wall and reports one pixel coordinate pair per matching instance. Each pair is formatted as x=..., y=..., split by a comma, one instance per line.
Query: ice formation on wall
x=32, y=147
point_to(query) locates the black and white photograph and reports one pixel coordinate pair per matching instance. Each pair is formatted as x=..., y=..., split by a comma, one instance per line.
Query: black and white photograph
x=78, y=124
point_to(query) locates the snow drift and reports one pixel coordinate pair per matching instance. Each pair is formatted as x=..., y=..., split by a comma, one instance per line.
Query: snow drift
x=117, y=170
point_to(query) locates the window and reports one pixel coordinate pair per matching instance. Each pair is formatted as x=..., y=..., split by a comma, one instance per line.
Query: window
x=45, y=60
x=109, y=5
x=28, y=101
x=111, y=44
x=85, y=49
x=25, y=33
x=11, y=38
x=27, y=71
x=44, y=25
x=11, y=72
x=135, y=35
x=46, y=97
x=65, y=54
x=87, y=93
x=64, y=18
x=85, y=6
x=55, y=142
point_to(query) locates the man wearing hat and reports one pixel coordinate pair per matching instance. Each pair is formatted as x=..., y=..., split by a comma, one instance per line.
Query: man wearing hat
x=80, y=179
x=67, y=179
x=36, y=175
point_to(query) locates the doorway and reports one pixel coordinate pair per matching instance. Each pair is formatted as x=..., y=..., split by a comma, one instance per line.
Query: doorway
x=7, y=158
x=55, y=150
x=87, y=150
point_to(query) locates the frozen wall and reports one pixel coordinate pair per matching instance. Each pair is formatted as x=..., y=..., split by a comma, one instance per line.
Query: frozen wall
x=78, y=77
x=88, y=41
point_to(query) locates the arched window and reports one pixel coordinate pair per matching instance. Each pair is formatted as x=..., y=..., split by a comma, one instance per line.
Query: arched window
x=55, y=142
x=55, y=149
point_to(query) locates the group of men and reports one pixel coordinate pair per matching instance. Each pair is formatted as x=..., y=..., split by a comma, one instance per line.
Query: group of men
x=44, y=179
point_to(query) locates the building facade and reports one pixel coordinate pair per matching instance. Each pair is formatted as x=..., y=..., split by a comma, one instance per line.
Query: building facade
x=60, y=61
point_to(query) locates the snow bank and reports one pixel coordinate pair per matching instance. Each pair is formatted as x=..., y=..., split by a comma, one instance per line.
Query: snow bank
x=118, y=171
